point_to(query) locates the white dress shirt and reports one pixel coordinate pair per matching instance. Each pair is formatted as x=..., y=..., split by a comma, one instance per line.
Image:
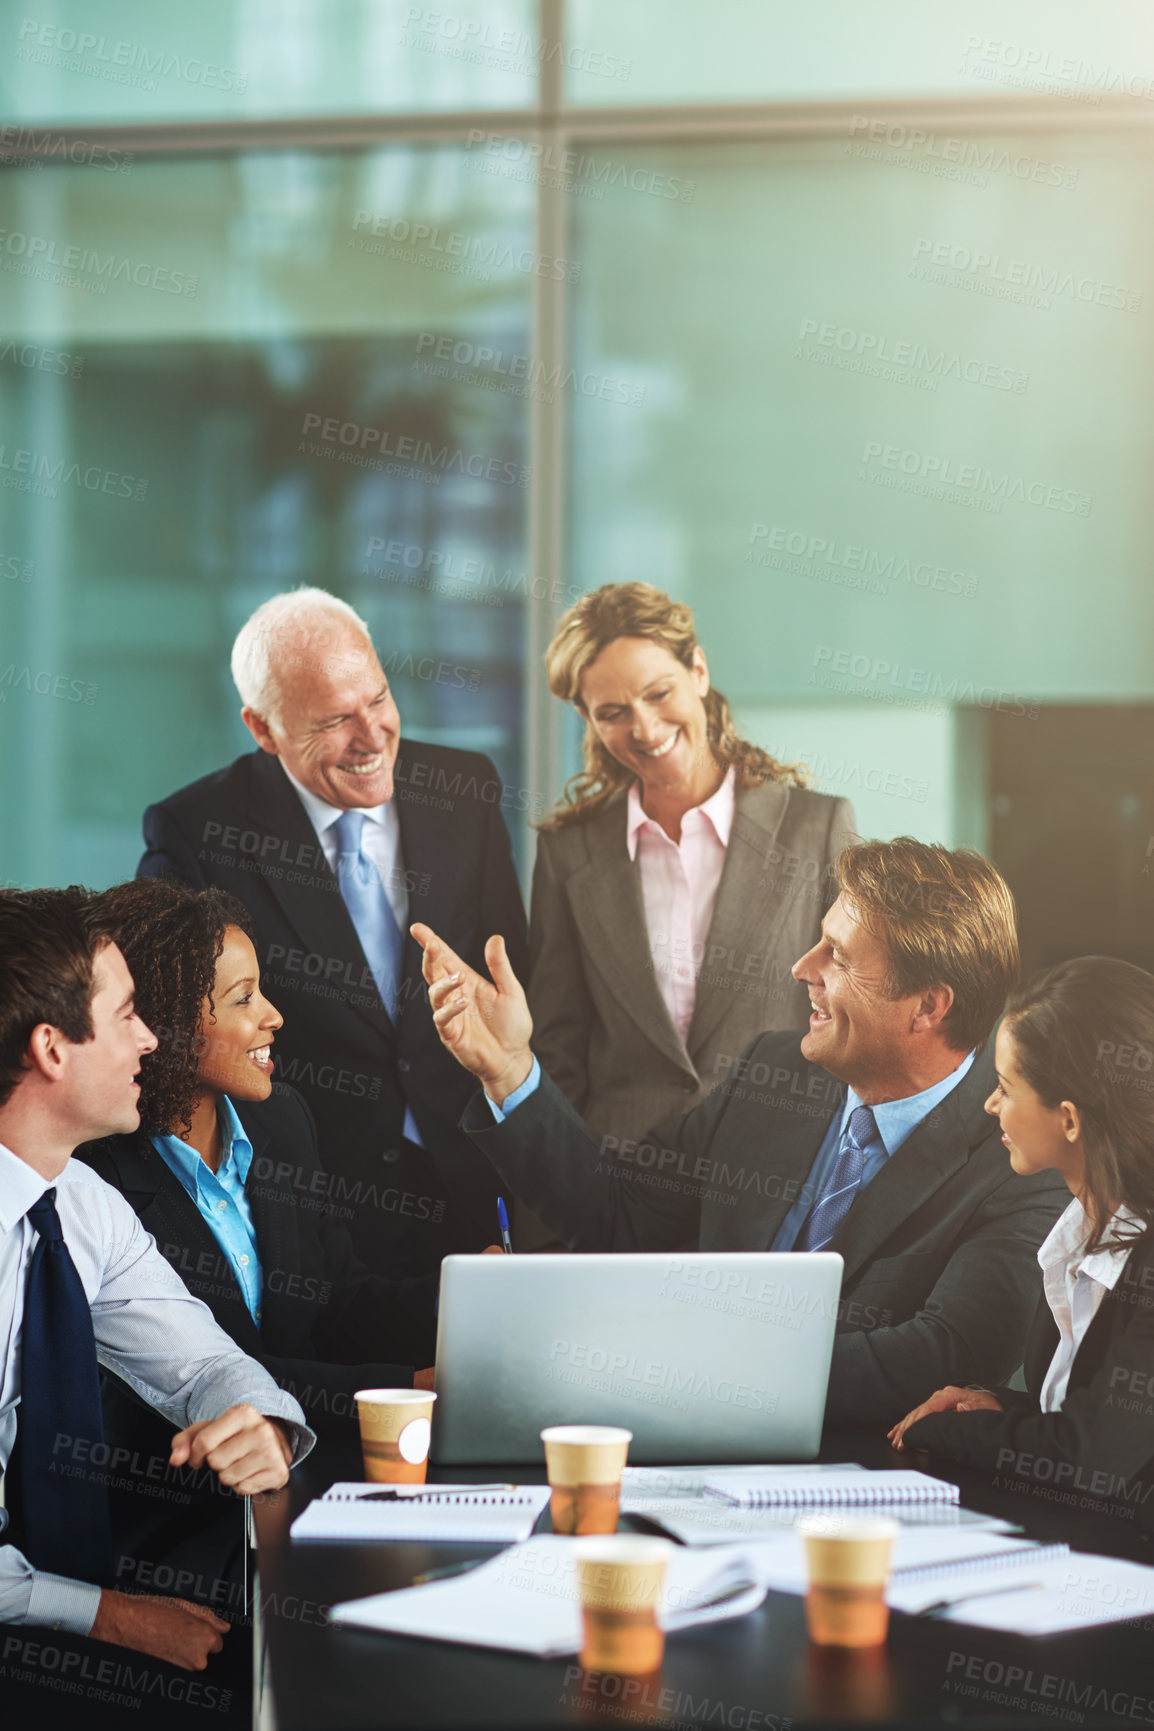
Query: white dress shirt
x=679, y=882
x=381, y=845
x=149, y=1329
x=1075, y=1285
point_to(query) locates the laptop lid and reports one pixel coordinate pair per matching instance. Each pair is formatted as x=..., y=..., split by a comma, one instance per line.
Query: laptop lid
x=704, y=1356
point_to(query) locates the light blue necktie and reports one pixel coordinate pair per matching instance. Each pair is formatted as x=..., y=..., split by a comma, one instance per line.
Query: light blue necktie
x=364, y=895
x=843, y=1183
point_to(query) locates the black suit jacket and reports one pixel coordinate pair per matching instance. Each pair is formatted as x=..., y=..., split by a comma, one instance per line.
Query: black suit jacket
x=941, y=1277
x=328, y=1326
x=244, y=829
x=1101, y=1443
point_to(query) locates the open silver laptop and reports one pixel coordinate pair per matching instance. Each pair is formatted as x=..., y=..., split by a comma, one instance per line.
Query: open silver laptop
x=704, y=1356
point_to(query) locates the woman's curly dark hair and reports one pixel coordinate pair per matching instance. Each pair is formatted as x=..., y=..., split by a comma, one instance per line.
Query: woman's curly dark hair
x=172, y=938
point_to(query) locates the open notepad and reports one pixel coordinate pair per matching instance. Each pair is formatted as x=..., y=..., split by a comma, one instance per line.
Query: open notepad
x=677, y=1500
x=702, y=1522
x=525, y=1600
x=1061, y=1592
x=642, y=1483
x=456, y=1513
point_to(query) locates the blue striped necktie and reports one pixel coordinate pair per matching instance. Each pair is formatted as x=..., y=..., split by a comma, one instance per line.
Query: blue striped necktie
x=364, y=895
x=843, y=1183
x=65, y=1517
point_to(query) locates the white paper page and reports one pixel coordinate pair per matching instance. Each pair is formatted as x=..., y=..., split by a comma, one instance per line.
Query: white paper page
x=705, y=1522
x=525, y=1601
x=492, y=1518
x=1078, y=1592
x=640, y=1483
x=780, y=1562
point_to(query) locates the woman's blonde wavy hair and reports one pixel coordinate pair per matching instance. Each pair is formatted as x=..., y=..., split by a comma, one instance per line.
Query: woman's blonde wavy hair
x=639, y=610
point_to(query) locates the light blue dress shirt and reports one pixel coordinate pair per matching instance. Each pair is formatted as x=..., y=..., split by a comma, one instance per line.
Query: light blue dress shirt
x=220, y=1197
x=149, y=1329
x=529, y=1086
x=896, y=1121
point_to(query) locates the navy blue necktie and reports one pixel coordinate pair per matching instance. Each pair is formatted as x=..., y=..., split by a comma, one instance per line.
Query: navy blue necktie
x=64, y=1505
x=843, y=1183
x=363, y=894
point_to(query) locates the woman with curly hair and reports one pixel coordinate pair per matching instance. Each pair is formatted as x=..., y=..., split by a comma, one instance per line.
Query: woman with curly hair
x=225, y=1173
x=1075, y=1095
x=682, y=876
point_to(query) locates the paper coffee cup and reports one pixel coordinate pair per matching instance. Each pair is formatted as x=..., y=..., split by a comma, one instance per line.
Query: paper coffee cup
x=620, y=1580
x=396, y=1425
x=848, y=1566
x=584, y=1463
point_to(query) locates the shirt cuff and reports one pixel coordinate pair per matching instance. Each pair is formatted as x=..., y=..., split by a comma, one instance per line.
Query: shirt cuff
x=302, y=1440
x=529, y=1086
x=59, y=1603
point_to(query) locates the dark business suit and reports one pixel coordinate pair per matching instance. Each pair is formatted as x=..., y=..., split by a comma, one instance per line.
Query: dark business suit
x=941, y=1276
x=1101, y=1442
x=245, y=830
x=328, y=1327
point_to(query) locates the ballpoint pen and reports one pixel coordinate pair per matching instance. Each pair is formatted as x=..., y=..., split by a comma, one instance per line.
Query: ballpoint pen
x=403, y=1496
x=941, y=1606
x=503, y=1226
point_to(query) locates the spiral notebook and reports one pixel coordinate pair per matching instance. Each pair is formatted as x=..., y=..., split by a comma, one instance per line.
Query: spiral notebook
x=455, y=1514
x=842, y=1490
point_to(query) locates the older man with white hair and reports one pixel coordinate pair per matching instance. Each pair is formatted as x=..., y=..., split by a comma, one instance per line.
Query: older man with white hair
x=336, y=833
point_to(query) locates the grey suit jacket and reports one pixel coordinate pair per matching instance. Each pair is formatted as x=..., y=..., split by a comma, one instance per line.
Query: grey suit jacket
x=600, y=1025
x=941, y=1274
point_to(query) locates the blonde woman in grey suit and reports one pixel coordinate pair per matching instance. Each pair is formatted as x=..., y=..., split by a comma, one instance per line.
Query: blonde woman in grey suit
x=682, y=876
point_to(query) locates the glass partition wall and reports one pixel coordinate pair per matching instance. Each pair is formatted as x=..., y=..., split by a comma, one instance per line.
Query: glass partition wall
x=838, y=328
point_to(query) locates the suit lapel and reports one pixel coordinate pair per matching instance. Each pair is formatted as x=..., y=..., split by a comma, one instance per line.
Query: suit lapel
x=275, y=1226
x=942, y=1143
x=310, y=897
x=786, y=1163
x=165, y=1209
x=605, y=895
x=422, y=841
x=745, y=917
x=1115, y=1312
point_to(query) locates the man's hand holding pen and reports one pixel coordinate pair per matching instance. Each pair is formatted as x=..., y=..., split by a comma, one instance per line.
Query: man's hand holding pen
x=485, y=1024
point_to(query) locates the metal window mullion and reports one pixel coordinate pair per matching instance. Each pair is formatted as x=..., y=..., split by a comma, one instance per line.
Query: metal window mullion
x=718, y=121
x=543, y=760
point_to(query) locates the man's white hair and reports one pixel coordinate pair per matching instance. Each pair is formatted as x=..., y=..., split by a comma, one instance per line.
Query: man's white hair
x=280, y=630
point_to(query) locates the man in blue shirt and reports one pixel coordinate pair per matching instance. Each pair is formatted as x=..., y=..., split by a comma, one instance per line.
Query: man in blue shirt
x=866, y=1135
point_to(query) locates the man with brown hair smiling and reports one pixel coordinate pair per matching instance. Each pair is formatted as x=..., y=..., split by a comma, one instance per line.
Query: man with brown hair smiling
x=81, y=1282
x=865, y=1135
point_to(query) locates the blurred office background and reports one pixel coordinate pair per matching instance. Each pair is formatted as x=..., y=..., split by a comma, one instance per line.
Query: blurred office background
x=833, y=319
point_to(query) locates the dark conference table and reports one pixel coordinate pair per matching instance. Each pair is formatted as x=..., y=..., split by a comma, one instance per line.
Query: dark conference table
x=755, y=1673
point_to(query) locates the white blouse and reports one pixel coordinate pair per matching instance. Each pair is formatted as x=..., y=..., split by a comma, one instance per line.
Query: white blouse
x=1075, y=1285
x=679, y=883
